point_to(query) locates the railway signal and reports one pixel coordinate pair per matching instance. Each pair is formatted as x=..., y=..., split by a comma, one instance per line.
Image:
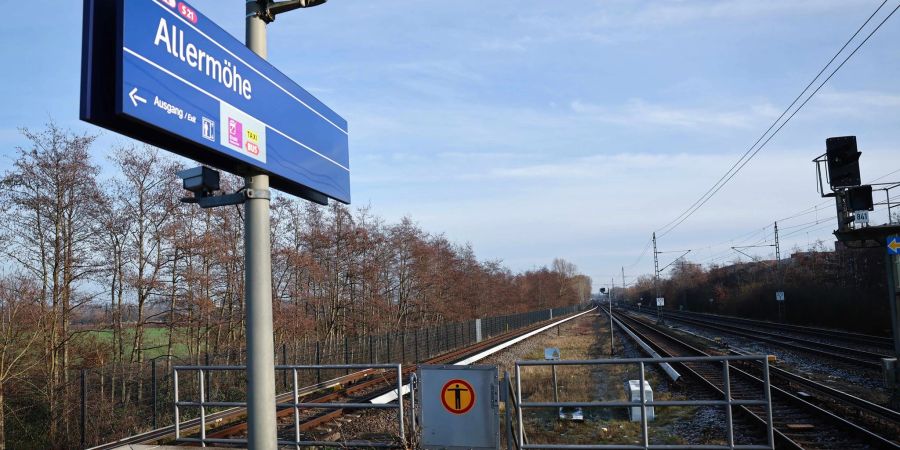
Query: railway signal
x=843, y=161
x=853, y=201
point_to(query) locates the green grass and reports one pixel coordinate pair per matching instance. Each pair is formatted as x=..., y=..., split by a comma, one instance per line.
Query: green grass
x=155, y=341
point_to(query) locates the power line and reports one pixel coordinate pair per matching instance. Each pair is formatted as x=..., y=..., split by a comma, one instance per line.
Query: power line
x=744, y=159
x=886, y=175
x=812, y=209
x=793, y=113
x=639, y=258
x=807, y=227
x=812, y=222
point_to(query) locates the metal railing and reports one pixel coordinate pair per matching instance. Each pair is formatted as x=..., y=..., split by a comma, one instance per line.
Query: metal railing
x=508, y=397
x=295, y=404
x=728, y=402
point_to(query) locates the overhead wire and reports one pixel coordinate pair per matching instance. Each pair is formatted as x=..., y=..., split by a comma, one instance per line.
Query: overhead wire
x=643, y=252
x=744, y=159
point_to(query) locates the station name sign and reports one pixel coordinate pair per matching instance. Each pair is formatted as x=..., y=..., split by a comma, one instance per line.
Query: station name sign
x=161, y=72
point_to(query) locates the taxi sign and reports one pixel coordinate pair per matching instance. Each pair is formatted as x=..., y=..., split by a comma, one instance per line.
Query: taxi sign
x=457, y=396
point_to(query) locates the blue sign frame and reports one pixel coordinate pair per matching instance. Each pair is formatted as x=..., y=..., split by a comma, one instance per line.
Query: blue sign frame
x=161, y=72
x=893, y=245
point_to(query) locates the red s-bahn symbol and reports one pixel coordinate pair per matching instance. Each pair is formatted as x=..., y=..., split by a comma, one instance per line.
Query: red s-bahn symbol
x=187, y=12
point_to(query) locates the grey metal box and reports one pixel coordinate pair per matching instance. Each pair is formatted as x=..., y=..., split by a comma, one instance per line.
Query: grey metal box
x=450, y=417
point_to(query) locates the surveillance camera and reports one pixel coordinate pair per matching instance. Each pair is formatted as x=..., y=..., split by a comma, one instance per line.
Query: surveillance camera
x=200, y=180
x=272, y=8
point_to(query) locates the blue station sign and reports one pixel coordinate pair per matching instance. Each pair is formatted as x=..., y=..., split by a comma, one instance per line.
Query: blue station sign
x=161, y=72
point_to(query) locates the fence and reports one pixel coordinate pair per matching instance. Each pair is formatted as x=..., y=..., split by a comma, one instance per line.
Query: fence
x=126, y=399
x=728, y=403
x=203, y=402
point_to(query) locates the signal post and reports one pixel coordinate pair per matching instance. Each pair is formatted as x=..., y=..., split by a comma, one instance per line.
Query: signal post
x=853, y=201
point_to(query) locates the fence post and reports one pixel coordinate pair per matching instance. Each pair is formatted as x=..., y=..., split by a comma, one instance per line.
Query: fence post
x=318, y=362
x=153, y=383
x=284, y=362
x=83, y=410
x=505, y=390
x=206, y=376
x=403, y=346
x=346, y=354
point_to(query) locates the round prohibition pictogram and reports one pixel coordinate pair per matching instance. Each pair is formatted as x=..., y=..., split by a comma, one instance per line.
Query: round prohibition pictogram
x=457, y=396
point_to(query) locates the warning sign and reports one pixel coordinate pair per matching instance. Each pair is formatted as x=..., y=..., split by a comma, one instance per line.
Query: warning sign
x=457, y=396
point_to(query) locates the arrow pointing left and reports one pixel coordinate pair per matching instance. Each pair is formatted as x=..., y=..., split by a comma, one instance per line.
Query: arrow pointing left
x=136, y=98
x=894, y=245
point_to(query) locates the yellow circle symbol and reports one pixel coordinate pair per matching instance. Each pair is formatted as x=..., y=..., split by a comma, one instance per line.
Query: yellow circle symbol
x=457, y=396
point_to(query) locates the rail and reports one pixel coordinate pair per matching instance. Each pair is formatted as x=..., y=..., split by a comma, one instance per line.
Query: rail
x=728, y=402
x=295, y=404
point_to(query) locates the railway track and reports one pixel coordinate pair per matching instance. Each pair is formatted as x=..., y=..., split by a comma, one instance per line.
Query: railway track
x=854, y=356
x=166, y=434
x=357, y=387
x=798, y=423
x=876, y=342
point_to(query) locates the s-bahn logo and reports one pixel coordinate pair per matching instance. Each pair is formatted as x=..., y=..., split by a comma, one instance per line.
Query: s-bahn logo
x=457, y=396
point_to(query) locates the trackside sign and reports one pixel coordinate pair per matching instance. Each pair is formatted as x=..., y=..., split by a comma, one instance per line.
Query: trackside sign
x=161, y=72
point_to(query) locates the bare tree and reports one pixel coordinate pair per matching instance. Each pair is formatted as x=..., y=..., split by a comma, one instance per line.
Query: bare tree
x=49, y=223
x=20, y=328
x=148, y=199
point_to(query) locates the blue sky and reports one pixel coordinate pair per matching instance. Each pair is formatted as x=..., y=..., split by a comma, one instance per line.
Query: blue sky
x=536, y=130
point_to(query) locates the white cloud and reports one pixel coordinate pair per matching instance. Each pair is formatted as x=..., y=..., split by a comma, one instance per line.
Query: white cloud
x=615, y=22
x=681, y=12
x=858, y=103
x=638, y=112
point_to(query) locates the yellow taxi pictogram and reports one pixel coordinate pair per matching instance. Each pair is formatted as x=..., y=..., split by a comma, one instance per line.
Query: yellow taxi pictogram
x=457, y=396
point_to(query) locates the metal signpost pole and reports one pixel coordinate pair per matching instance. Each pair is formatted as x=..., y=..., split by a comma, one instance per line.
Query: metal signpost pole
x=659, y=317
x=611, y=344
x=892, y=267
x=261, y=430
x=240, y=115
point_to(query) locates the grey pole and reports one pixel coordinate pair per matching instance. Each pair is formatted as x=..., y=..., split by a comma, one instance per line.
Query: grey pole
x=892, y=267
x=612, y=347
x=261, y=424
x=659, y=317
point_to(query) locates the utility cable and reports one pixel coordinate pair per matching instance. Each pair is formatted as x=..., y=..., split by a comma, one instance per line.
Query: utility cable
x=744, y=159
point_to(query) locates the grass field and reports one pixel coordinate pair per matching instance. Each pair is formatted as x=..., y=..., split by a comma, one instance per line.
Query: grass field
x=155, y=341
x=587, y=338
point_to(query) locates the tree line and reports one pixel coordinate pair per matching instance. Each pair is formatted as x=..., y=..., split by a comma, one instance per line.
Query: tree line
x=108, y=272
x=845, y=288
